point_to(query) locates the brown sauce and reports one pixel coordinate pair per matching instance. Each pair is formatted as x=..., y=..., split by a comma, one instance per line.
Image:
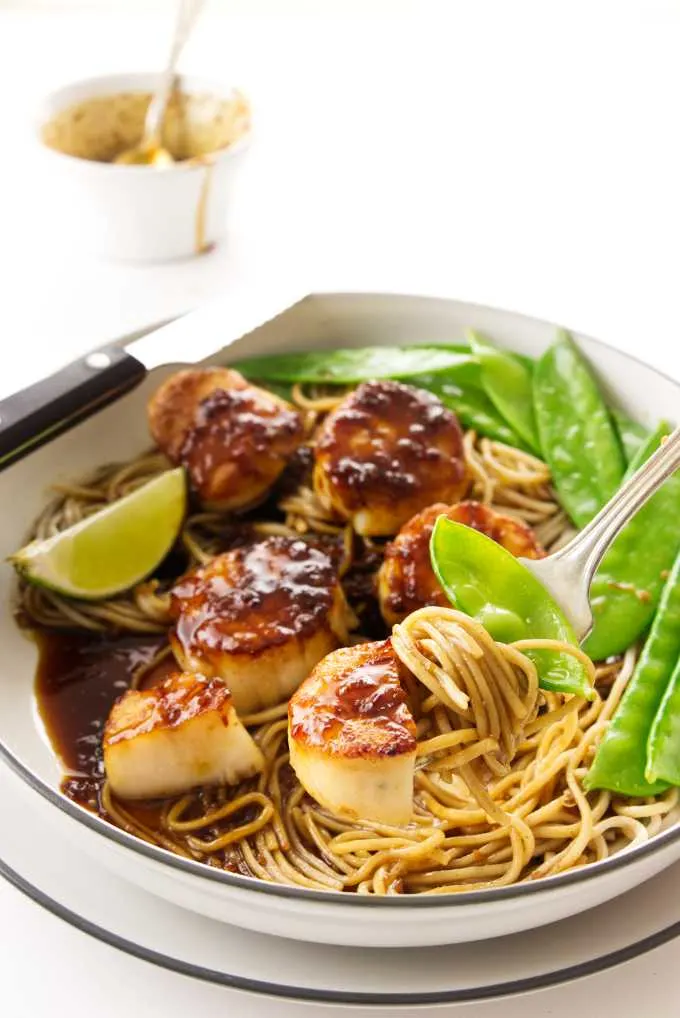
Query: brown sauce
x=78, y=679
x=201, y=243
x=80, y=675
x=359, y=585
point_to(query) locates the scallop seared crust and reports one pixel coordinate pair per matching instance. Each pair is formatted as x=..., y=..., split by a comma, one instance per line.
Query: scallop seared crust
x=406, y=580
x=352, y=736
x=386, y=451
x=260, y=617
x=180, y=734
x=233, y=438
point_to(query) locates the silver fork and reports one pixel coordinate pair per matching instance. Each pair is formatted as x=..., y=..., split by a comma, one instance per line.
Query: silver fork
x=187, y=15
x=568, y=573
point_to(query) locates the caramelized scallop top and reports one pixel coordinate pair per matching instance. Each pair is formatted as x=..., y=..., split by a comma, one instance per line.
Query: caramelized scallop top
x=353, y=705
x=179, y=698
x=254, y=598
x=516, y=537
x=387, y=450
x=406, y=580
x=233, y=438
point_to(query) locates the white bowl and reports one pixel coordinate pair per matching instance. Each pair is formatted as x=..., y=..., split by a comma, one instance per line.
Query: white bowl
x=322, y=320
x=136, y=213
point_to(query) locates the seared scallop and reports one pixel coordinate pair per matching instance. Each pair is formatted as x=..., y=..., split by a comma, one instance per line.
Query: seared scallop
x=386, y=451
x=406, y=580
x=260, y=617
x=233, y=438
x=180, y=734
x=352, y=737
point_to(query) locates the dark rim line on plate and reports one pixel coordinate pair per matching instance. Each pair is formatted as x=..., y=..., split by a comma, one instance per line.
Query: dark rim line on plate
x=165, y=857
x=263, y=987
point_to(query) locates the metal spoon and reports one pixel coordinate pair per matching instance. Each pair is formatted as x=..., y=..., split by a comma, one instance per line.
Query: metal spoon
x=150, y=150
x=568, y=573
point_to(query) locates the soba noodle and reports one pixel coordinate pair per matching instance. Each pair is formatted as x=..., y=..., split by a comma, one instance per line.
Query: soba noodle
x=498, y=796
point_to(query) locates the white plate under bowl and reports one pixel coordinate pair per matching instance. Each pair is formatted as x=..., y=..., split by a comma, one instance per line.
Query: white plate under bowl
x=104, y=906
x=119, y=432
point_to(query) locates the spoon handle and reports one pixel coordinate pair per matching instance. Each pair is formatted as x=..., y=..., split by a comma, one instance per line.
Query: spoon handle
x=187, y=14
x=585, y=551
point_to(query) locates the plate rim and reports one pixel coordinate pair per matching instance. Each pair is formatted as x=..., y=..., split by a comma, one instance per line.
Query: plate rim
x=252, y=884
x=363, y=998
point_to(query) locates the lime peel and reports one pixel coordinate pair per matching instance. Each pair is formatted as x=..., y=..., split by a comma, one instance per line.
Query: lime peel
x=113, y=549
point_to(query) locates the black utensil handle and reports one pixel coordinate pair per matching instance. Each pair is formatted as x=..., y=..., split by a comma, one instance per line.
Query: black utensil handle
x=35, y=415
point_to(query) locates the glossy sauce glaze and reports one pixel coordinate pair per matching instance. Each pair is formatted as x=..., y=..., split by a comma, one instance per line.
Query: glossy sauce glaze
x=354, y=705
x=407, y=581
x=176, y=700
x=389, y=441
x=250, y=431
x=253, y=598
x=78, y=680
x=514, y=535
x=233, y=438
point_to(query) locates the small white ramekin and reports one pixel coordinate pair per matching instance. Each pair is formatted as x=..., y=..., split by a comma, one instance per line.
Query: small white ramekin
x=136, y=213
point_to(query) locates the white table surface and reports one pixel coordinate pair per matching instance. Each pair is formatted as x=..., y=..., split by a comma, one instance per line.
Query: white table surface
x=521, y=154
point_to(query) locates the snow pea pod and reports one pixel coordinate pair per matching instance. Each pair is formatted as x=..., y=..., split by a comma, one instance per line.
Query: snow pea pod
x=486, y=582
x=282, y=389
x=471, y=404
x=507, y=381
x=647, y=446
x=361, y=364
x=528, y=362
x=576, y=433
x=631, y=434
x=629, y=581
x=455, y=388
x=663, y=745
x=623, y=762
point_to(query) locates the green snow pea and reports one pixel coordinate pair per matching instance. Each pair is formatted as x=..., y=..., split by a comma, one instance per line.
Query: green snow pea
x=507, y=381
x=486, y=582
x=576, y=433
x=648, y=445
x=663, y=745
x=471, y=404
x=361, y=364
x=528, y=362
x=458, y=385
x=282, y=389
x=629, y=581
x=631, y=434
x=623, y=762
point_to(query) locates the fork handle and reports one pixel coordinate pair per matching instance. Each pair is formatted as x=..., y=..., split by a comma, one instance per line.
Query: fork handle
x=586, y=550
x=187, y=14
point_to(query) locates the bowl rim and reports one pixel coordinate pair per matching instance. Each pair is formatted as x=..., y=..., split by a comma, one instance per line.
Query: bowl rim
x=132, y=81
x=452, y=900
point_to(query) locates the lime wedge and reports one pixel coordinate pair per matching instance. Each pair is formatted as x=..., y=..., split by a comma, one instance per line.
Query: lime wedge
x=113, y=549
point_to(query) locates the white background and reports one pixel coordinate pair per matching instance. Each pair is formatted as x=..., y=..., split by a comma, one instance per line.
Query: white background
x=523, y=154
